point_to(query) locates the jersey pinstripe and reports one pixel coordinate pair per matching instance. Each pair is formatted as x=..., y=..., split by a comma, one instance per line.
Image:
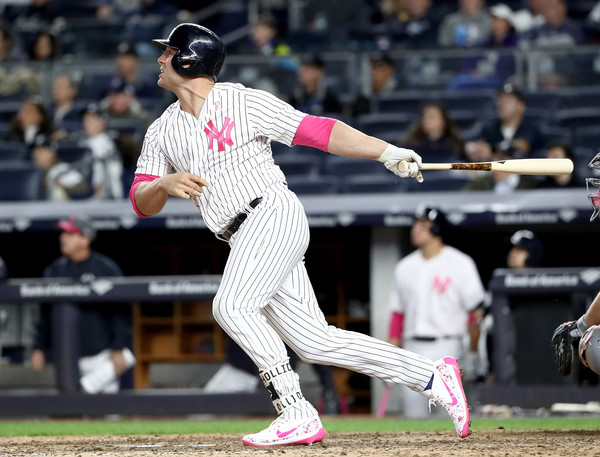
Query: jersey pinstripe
x=228, y=145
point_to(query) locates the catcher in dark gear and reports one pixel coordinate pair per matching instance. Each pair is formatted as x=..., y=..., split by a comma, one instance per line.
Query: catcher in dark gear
x=569, y=336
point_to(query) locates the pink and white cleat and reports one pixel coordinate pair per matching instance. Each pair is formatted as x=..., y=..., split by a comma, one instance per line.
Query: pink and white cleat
x=447, y=391
x=288, y=431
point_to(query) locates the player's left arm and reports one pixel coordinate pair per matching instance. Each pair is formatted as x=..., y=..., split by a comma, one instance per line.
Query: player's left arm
x=341, y=139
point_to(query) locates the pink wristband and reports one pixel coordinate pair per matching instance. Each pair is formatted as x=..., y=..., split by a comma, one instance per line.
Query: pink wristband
x=314, y=131
x=396, y=326
x=139, y=178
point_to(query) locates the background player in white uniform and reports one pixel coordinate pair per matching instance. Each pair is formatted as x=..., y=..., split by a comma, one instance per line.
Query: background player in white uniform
x=436, y=288
x=216, y=138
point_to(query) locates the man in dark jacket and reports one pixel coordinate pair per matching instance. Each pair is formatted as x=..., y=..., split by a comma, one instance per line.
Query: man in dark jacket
x=104, y=329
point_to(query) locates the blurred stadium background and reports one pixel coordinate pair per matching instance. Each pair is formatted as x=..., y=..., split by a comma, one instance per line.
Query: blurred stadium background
x=359, y=216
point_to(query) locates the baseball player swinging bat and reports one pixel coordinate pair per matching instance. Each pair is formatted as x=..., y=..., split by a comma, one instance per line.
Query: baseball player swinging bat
x=518, y=166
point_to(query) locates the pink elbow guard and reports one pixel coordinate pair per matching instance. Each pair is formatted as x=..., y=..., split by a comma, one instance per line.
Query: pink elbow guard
x=396, y=326
x=314, y=131
x=139, y=178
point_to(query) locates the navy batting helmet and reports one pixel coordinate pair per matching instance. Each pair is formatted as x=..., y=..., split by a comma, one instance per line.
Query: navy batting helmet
x=427, y=212
x=200, y=52
x=527, y=240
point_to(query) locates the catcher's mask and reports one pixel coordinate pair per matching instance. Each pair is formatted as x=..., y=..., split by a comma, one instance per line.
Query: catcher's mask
x=589, y=348
x=593, y=191
x=593, y=187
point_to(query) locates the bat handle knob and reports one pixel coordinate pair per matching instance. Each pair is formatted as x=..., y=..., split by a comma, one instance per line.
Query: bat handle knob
x=402, y=166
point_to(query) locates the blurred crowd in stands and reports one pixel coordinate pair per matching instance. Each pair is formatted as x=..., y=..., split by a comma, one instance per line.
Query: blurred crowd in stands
x=78, y=86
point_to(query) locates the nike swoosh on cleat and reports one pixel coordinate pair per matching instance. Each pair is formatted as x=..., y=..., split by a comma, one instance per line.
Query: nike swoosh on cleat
x=284, y=434
x=454, y=400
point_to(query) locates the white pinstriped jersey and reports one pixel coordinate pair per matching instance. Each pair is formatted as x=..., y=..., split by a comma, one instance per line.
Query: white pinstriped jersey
x=436, y=295
x=229, y=145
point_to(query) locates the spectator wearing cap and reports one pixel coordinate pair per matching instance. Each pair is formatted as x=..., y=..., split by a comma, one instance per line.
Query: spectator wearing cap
x=121, y=103
x=509, y=132
x=311, y=95
x=62, y=181
x=493, y=66
x=383, y=81
x=467, y=27
x=104, y=328
x=128, y=73
x=107, y=168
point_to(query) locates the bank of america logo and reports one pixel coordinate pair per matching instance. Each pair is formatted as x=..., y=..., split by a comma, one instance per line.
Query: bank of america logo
x=101, y=286
x=590, y=275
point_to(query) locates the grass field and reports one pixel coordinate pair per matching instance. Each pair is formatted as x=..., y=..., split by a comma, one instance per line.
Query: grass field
x=355, y=424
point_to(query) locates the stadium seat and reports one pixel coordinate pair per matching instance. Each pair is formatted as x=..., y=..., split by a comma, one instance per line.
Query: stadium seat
x=472, y=100
x=8, y=110
x=443, y=183
x=20, y=180
x=374, y=123
x=399, y=102
x=372, y=183
x=349, y=166
x=14, y=150
x=579, y=97
x=467, y=119
x=314, y=185
x=541, y=100
x=73, y=152
x=587, y=137
x=553, y=134
x=578, y=117
x=80, y=157
x=293, y=164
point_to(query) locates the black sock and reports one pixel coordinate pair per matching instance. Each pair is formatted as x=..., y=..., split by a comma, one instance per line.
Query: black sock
x=429, y=383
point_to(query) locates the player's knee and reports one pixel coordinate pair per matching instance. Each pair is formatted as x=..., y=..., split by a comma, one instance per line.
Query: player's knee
x=218, y=310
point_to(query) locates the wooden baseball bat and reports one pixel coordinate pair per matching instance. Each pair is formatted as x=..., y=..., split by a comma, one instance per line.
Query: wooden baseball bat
x=518, y=166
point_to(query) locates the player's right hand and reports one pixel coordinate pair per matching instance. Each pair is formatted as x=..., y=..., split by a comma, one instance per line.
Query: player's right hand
x=184, y=185
x=393, y=155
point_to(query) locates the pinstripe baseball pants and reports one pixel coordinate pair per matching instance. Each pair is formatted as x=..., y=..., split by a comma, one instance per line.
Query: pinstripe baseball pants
x=266, y=296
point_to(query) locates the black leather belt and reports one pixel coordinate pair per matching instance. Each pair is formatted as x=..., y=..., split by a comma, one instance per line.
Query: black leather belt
x=429, y=339
x=226, y=234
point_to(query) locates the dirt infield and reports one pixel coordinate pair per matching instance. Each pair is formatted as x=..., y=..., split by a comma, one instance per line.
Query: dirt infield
x=406, y=444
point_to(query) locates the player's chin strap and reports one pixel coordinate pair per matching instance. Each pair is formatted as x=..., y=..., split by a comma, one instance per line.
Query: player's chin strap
x=283, y=385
